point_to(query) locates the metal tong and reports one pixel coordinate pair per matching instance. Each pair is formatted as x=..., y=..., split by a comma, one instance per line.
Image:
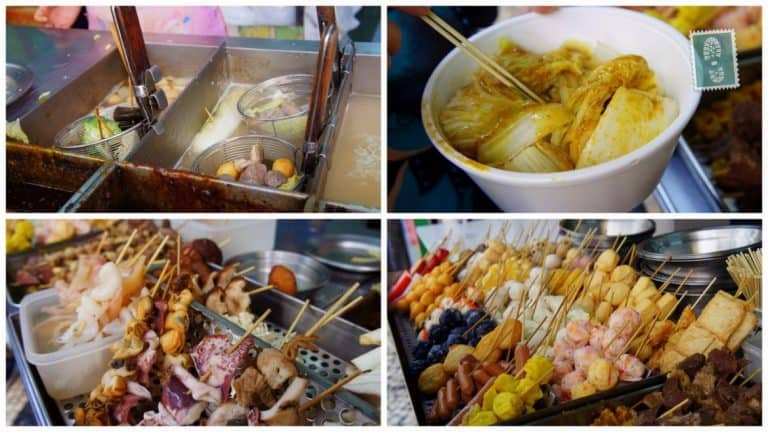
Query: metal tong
x=150, y=100
x=327, y=75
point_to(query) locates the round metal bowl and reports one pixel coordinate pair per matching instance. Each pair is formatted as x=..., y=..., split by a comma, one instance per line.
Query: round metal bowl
x=609, y=232
x=239, y=147
x=292, y=90
x=348, y=252
x=18, y=81
x=310, y=273
x=116, y=147
x=700, y=251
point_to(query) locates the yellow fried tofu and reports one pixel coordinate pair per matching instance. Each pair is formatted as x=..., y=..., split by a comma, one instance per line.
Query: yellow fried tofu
x=687, y=317
x=697, y=339
x=722, y=315
x=741, y=332
x=669, y=359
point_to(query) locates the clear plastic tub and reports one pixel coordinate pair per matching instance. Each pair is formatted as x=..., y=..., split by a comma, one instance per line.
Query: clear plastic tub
x=65, y=372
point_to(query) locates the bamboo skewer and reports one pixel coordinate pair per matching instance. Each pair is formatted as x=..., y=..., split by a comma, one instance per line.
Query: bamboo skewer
x=208, y=113
x=293, y=324
x=101, y=242
x=153, y=291
x=158, y=250
x=712, y=282
x=472, y=327
x=737, y=374
x=260, y=290
x=660, y=266
x=330, y=390
x=338, y=313
x=98, y=121
x=143, y=249
x=685, y=280
x=677, y=303
x=249, y=331
x=333, y=308
x=670, y=411
x=245, y=271
x=752, y=375
x=178, y=254
x=127, y=245
x=224, y=242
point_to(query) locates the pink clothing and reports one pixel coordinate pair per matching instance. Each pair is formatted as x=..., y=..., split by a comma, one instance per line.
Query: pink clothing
x=197, y=20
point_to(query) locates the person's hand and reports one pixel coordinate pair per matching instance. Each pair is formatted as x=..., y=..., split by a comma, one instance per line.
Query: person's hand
x=57, y=16
x=394, y=37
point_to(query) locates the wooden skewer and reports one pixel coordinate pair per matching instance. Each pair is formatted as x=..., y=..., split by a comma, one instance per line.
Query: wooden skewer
x=224, y=242
x=333, y=308
x=677, y=303
x=752, y=375
x=703, y=293
x=249, y=331
x=245, y=271
x=530, y=337
x=260, y=290
x=127, y=245
x=330, y=390
x=623, y=239
x=625, y=348
x=472, y=327
x=685, y=280
x=206, y=376
x=143, y=249
x=153, y=291
x=660, y=266
x=178, y=254
x=608, y=345
x=666, y=283
x=167, y=287
x=669, y=412
x=737, y=374
x=101, y=242
x=293, y=324
x=98, y=121
x=158, y=250
x=337, y=314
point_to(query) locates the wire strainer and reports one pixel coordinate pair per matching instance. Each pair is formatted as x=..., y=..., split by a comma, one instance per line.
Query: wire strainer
x=116, y=147
x=232, y=149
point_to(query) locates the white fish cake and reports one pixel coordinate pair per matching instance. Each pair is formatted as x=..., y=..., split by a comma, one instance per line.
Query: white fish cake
x=632, y=119
x=745, y=328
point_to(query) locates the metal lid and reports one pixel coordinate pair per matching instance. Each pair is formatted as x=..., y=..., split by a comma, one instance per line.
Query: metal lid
x=701, y=243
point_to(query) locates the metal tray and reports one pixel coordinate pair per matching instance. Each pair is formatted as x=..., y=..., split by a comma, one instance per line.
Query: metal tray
x=322, y=367
x=702, y=243
x=341, y=250
x=15, y=261
x=18, y=81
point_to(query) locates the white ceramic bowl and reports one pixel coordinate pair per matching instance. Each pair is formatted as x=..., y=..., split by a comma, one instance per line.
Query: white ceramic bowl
x=615, y=186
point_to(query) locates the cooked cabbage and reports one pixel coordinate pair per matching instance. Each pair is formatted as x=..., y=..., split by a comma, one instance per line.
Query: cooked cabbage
x=584, y=123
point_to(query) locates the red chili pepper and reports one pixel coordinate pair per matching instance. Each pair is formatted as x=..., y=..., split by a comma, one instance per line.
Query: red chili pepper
x=399, y=287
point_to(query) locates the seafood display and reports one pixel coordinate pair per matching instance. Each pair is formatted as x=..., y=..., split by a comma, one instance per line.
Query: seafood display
x=597, y=110
x=510, y=331
x=184, y=341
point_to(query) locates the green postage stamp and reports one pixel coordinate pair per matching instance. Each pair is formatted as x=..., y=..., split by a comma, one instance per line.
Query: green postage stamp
x=714, y=60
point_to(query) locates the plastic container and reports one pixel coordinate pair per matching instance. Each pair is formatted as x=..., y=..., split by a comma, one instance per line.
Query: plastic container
x=617, y=185
x=235, y=237
x=66, y=372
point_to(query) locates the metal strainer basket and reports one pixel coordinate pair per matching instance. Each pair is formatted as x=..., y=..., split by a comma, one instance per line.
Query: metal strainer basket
x=258, y=106
x=239, y=147
x=116, y=147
